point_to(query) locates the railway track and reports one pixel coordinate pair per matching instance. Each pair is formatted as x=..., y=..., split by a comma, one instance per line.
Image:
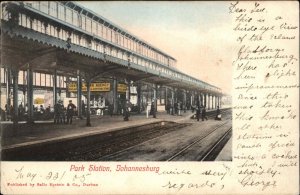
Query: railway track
x=96, y=152
x=214, y=151
x=182, y=151
x=123, y=143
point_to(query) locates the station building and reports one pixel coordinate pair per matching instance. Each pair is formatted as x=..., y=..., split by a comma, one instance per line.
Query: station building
x=60, y=51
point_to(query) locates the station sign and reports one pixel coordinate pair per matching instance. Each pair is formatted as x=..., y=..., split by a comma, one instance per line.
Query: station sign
x=122, y=88
x=39, y=100
x=94, y=87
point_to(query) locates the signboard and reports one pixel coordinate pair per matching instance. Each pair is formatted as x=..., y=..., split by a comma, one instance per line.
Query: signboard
x=39, y=100
x=122, y=88
x=95, y=87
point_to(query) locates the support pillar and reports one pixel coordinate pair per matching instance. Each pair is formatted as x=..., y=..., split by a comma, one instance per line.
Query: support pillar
x=115, y=96
x=128, y=90
x=212, y=102
x=30, y=96
x=166, y=99
x=8, y=90
x=184, y=101
x=88, y=113
x=209, y=99
x=138, y=90
x=201, y=99
x=172, y=101
x=54, y=87
x=205, y=100
x=15, y=75
x=155, y=96
x=79, y=94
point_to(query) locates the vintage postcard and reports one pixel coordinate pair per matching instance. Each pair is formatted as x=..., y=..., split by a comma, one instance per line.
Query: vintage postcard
x=136, y=97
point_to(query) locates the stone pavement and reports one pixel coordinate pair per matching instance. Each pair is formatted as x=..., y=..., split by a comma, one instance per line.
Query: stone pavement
x=47, y=131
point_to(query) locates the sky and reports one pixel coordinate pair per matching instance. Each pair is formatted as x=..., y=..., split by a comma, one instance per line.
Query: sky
x=197, y=34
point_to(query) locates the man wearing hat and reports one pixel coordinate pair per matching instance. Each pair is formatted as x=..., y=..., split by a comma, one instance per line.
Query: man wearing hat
x=70, y=111
x=57, y=112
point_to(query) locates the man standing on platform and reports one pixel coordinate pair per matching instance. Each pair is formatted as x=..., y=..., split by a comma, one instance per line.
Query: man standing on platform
x=57, y=112
x=218, y=115
x=153, y=110
x=127, y=109
x=70, y=111
x=198, y=112
x=204, y=113
x=83, y=108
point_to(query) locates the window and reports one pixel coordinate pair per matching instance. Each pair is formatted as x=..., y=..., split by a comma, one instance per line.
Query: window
x=94, y=27
x=109, y=32
x=99, y=30
x=36, y=25
x=69, y=16
x=43, y=80
x=44, y=6
x=35, y=4
x=75, y=19
x=113, y=52
x=75, y=39
x=100, y=48
x=53, y=8
x=61, y=12
x=44, y=29
x=52, y=30
x=120, y=54
x=104, y=33
x=48, y=80
x=83, y=22
x=116, y=38
x=129, y=43
x=38, y=79
x=82, y=41
x=121, y=40
x=113, y=37
x=88, y=25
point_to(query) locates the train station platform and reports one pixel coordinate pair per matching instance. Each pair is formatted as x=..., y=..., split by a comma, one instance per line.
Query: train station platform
x=226, y=152
x=46, y=131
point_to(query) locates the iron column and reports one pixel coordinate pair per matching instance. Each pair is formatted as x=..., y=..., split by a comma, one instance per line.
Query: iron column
x=79, y=94
x=115, y=94
x=30, y=95
x=54, y=87
x=138, y=90
x=88, y=114
x=8, y=84
x=15, y=74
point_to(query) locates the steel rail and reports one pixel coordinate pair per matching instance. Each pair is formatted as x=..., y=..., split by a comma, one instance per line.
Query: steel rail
x=194, y=142
x=216, y=144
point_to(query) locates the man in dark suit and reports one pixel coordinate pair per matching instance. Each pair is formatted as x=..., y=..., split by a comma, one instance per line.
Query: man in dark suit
x=70, y=111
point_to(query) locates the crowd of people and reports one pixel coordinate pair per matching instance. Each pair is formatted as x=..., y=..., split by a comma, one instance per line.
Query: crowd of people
x=201, y=112
x=64, y=115
x=39, y=112
x=176, y=109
